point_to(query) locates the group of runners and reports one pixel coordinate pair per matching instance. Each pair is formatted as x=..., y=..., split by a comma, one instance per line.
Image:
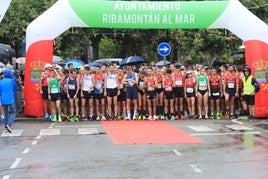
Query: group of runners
x=147, y=92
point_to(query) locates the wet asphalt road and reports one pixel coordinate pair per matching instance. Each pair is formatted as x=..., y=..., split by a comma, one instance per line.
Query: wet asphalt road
x=225, y=153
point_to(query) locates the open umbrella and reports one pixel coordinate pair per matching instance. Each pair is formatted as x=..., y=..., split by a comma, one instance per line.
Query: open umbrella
x=2, y=65
x=132, y=60
x=93, y=64
x=57, y=59
x=162, y=63
x=4, y=52
x=76, y=63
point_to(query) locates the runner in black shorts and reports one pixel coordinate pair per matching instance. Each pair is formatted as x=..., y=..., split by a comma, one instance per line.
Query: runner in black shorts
x=168, y=84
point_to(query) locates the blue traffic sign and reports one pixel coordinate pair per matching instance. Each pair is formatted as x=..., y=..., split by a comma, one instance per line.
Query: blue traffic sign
x=164, y=49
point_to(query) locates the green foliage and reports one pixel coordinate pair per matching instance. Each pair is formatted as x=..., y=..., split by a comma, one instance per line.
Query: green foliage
x=19, y=15
x=108, y=48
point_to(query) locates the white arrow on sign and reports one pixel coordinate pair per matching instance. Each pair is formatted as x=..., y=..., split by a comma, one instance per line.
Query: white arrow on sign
x=165, y=49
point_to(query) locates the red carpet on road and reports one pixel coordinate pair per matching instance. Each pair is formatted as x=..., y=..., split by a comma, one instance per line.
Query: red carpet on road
x=146, y=132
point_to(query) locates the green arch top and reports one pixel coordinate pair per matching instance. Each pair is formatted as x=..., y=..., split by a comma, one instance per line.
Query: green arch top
x=148, y=14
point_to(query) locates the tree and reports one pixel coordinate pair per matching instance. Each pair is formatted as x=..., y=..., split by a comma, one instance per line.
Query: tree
x=19, y=15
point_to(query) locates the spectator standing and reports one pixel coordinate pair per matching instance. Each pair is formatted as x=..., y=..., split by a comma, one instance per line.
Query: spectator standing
x=8, y=88
x=250, y=88
x=18, y=94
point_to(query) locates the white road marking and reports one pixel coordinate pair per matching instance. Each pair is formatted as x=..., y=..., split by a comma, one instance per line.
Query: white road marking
x=237, y=122
x=15, y=164
x=229, y=133
x=87, y=131
x=38, y=137
x=34, y=142
x=176, y=152
x=51, y=125
x=77, y=126
x=6, y=177
x=238, y=127
x=26, y=150
x=49, y=132
x=201, y=128
x=195, y=168
x=15, y=133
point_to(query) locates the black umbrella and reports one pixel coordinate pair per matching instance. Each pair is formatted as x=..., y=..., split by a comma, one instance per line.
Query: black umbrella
x=162, y=63
x=132, y=60
x=4, y=53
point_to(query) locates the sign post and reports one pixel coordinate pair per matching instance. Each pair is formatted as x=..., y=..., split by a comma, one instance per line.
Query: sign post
x=164, y=50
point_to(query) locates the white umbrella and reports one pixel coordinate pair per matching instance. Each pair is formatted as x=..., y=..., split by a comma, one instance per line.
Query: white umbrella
x=57, y=59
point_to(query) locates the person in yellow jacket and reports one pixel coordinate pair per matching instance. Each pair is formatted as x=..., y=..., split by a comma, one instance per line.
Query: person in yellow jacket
x=250, y=88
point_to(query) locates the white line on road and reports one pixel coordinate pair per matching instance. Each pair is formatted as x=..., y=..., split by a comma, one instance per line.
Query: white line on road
x=77, y=126
x=38, y=137
x=230, y=133
x=6, y=177
x=26, y=150
x=34, y=142
x=195, y=168
x=237, y=122
x=15, y=164
x=51, y=125
x=176, y=152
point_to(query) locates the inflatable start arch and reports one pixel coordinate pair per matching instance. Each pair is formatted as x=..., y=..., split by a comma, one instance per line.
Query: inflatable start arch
x=231, y=15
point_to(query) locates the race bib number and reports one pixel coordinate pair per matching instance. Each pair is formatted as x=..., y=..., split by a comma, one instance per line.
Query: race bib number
x=121, y=86
x=189, y=90
x=169, y=88
x=131, y=83
x=202, y=83
x=99, y=84
x=141, y=83
x=71, y=87
x=150, y=88
x=54, y=90
x=178, y=82
x=159, y=85
x=231, y=85
x=216, y=94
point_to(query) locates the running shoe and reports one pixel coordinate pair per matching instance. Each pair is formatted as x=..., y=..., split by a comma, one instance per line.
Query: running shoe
x=128, y=118
x=135, y=116
x=52, y=118
x=166, y=117
x=251, y=118
x=155, y=117
x=144, y=117
x=46, y=115
x=8, y=128
x=59, y=118
x=140, y=117
x=172, y=118
x=150, y=118
x=103, y=118
x=162, y=117
x=76, y=118
x=218, y=116
x=71, y=118
x=200, y=117
x=182, y=117
x=177, y=117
